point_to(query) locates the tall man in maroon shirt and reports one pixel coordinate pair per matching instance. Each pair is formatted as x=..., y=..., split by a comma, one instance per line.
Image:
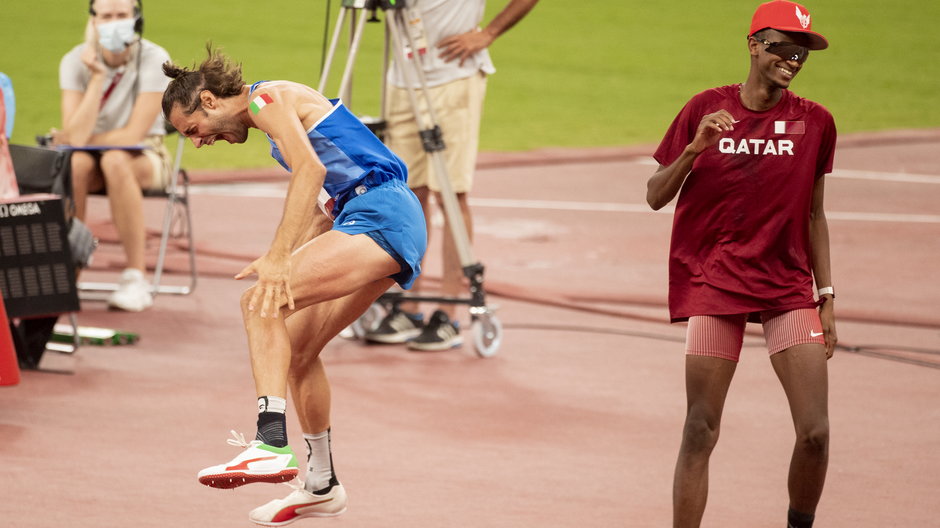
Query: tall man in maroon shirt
x=750, y=243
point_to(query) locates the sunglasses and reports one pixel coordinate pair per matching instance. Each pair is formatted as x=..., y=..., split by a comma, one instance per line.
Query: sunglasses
x=786, y=50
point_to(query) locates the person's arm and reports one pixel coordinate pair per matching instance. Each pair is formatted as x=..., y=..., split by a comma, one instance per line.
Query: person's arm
x=146, y=108
x=463, y=46
x=279, y=119
x=150, y=84
x=665, y=183
x=79, y=114
x=80, y=108
x=822, y=272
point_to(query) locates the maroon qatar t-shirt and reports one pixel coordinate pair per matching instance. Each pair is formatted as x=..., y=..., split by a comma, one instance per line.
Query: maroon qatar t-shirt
x=740, y=236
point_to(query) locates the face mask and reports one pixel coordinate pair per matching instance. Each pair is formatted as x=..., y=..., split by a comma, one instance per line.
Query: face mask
x=116, y=36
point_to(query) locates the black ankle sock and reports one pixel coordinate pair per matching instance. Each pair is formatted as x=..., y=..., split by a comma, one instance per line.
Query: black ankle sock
x=797, y=519
x=272, y=428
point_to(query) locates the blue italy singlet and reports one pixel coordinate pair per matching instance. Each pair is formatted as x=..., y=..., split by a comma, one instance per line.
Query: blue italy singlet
x=365, y=189
x=348, y=150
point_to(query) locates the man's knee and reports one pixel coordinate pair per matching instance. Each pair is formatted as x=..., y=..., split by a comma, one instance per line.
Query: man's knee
x=252, y=307
x=814, y=438
x=245, y=302
x=700, y=434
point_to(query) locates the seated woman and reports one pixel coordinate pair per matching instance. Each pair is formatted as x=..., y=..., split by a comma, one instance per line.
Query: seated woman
x=111, y=89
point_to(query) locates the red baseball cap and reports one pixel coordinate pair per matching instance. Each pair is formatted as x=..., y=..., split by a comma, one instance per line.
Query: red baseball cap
x=783, y=15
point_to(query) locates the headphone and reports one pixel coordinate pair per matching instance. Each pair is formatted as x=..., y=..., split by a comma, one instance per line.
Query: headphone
x=138, y=14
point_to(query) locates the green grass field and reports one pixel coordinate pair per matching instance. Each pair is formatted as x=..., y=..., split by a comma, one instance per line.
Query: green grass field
x=586, y=73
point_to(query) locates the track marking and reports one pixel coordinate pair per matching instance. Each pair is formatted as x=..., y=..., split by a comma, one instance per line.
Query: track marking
x=898, y=177
x=254, y=190
x=564, y=205
x=278, y=190
x=853, y=174
x=884, y=217
x=505, y=203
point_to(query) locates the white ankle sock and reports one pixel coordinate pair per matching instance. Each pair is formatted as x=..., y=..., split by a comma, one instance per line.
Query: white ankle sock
x=319, y=461
x=272, y=404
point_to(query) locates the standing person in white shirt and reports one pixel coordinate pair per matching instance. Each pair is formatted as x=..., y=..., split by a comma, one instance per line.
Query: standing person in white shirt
x=456, y=67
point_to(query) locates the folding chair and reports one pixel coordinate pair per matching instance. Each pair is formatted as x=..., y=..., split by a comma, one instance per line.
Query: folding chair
x=177, y=212
x=177, y=223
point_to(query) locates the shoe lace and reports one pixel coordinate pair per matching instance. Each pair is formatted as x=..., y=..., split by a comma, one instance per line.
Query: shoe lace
x=238, y=440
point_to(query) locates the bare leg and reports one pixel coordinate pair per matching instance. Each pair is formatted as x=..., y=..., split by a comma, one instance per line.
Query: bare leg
x=424, y=196
x=802, y=372
x=310, y=330
x=321, y=271
x=706, y=382
x=452, y=283
x=124, y=174
x=86, y=178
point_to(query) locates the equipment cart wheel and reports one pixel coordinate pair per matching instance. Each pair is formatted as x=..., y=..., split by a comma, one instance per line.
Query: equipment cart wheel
x=487, y=333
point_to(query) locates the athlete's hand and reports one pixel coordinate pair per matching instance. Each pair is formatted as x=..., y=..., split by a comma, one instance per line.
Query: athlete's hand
x=711, y=128
x=464, y=45
x=828, y=319
x=272, y=290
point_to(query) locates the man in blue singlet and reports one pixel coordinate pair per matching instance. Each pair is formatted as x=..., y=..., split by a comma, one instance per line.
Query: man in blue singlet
x=325, y=266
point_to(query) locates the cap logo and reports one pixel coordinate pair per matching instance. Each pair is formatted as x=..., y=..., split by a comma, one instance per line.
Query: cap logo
x=804, y=19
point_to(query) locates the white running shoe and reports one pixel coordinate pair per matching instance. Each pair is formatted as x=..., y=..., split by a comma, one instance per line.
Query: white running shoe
x=259, y=462
x=396, y=327
x=133, y=293
x=299, y=504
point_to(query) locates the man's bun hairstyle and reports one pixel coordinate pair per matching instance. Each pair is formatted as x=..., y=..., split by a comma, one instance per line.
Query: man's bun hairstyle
x=217, y=74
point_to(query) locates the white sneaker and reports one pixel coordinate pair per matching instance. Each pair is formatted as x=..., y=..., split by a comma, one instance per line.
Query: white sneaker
x=396, y=327
x=299, y=504
x=133, y=293
x=259, y=462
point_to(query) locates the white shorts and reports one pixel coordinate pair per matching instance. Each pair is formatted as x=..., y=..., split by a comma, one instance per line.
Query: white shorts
x=160, y=162
x=458, y=107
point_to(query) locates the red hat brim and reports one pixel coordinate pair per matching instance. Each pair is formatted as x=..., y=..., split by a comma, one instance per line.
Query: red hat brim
x=817, y=41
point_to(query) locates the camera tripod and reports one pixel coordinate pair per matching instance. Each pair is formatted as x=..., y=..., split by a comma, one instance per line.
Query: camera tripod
x=485, y=328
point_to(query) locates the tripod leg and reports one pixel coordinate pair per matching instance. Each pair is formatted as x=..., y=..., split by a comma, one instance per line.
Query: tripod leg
x=431, y=137
x=334, y=41
x=345, y=85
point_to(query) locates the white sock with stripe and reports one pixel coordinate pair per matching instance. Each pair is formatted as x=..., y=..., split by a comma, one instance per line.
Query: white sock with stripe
x=319, y=462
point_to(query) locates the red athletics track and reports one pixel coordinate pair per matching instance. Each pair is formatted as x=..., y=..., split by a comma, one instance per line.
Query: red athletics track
x=576, y=421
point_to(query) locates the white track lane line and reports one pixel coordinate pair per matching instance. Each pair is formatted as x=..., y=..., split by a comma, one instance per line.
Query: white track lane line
x=278, y=190
x=853, y=174
x=505, y=203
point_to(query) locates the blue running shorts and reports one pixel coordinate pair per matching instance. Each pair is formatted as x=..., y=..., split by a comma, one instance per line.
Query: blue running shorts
x=390, y=214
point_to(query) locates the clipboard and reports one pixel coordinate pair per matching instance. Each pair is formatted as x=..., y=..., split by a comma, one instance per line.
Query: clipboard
x=98, y=148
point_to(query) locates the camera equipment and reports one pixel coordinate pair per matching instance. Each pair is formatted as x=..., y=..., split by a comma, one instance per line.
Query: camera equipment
x=399, y=39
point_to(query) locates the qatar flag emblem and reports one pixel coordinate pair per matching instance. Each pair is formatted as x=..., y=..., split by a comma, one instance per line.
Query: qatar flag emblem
x=789, y=127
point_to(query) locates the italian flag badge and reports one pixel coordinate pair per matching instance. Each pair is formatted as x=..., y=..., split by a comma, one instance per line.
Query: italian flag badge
x=260, y=102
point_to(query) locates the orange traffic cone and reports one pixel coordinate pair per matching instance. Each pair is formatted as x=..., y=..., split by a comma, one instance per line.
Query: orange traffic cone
x=9, y=367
